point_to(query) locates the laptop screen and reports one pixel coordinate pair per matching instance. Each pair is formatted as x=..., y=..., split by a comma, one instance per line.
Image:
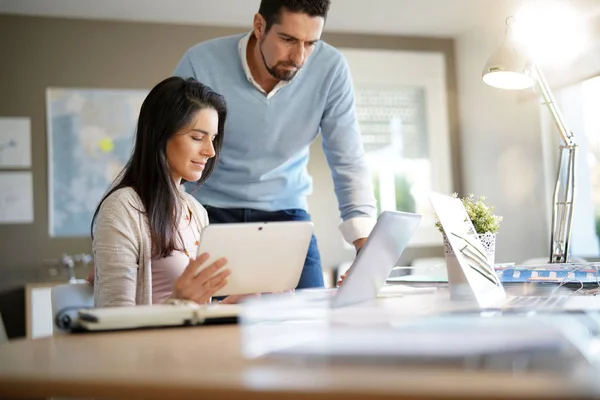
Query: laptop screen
x=475, y=271
x=378, y=256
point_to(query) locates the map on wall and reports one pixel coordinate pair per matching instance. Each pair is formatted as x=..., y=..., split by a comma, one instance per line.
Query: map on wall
x=90, y=139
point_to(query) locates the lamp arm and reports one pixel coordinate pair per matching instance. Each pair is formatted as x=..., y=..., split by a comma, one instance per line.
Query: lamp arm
x=567, y=135
x=564, y=190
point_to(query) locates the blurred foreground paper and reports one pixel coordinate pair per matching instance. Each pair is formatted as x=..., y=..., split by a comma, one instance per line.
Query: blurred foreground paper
x=16, y=198
x=15, y=142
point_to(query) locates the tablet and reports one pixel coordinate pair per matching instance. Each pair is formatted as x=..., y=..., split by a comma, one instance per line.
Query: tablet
x=263, y=257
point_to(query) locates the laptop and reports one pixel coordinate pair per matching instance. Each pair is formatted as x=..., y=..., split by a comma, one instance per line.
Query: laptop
x=374, y=262
x=479, y=275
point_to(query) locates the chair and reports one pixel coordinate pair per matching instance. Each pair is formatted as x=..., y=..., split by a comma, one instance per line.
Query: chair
x=67, y=299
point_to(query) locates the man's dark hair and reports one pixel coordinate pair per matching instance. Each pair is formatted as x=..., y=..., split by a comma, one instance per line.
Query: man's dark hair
x=271, y=9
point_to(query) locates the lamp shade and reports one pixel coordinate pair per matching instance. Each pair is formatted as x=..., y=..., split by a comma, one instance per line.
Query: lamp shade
x=507, y=68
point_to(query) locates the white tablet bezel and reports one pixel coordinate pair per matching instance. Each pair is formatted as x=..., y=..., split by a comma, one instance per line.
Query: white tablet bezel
x=263, y=257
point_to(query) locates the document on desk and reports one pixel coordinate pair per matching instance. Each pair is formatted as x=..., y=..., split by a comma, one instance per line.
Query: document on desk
x=421, y=344
x=400, y=290
x=455, y=339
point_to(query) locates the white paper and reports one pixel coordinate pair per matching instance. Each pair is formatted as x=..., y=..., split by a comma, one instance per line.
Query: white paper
x=15, y=142
x=16, y=198
x=434, y=338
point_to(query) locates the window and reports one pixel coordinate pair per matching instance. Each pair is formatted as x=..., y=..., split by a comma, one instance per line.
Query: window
x=591, y=122
x=401, y=107
x=393, y=127
x=579, y=105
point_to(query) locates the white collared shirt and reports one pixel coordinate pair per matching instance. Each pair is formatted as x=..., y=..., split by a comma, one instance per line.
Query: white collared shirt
x=243, y=49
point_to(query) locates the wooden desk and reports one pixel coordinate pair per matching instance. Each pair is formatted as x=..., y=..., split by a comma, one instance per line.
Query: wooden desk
x=206, y=362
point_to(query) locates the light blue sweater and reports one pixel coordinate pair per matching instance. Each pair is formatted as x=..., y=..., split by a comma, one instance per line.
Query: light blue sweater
x=266, y=146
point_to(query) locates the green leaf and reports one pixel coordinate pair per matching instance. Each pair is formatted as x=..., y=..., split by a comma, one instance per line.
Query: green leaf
x=481, y=214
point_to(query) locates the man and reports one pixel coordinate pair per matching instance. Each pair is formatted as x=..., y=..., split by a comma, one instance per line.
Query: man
x=283, y=86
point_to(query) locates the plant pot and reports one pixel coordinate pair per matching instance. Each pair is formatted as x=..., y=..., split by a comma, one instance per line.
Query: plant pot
x=459, y=287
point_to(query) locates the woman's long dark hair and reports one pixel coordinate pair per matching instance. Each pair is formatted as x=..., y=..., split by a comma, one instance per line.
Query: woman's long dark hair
x=169, y=107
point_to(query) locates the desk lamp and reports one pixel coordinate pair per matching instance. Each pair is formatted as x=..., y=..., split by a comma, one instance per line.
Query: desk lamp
x=508, y=68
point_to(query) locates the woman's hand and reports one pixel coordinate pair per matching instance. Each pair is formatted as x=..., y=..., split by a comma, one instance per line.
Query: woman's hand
x=202, y=287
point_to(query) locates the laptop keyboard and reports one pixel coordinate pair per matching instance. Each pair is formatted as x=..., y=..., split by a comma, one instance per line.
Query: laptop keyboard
x=538, y=301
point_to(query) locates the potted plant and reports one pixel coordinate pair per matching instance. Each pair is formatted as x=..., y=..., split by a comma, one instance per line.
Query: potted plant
x=485, y=222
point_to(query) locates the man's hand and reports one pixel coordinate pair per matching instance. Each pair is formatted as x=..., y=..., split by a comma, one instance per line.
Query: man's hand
x=358, y=244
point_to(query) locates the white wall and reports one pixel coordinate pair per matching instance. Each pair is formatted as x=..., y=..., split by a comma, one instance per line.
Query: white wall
x=501, y=151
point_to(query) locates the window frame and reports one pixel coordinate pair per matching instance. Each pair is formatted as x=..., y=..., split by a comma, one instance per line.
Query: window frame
x=394, y=69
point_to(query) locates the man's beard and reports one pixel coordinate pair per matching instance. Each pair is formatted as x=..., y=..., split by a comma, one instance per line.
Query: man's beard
x=282, y=75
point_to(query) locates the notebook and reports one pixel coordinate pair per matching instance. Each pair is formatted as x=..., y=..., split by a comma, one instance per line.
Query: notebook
x=154, y=316
x=572, y=274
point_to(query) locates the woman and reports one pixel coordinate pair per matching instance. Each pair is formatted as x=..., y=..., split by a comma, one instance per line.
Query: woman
x=146, y=229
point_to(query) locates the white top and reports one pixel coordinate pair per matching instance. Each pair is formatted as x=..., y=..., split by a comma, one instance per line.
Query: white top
x=166, y=270
x=122, y=249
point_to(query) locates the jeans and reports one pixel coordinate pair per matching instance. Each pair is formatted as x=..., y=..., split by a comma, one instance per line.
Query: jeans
x=312, y=273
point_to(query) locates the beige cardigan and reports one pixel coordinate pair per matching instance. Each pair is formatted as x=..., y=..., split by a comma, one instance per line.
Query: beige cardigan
x=122, y=249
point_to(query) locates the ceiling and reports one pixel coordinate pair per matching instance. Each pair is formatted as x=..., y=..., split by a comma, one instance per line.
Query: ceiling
x=440, y=18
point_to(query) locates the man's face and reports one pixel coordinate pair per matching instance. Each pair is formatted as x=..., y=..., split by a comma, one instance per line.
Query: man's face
x=288, y=44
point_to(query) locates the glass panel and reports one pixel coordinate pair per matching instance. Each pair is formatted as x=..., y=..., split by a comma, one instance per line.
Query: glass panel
x=591, y=100
x=395, y=137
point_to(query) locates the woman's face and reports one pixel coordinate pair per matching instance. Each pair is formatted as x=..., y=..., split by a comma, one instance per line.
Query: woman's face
x=189, y=149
